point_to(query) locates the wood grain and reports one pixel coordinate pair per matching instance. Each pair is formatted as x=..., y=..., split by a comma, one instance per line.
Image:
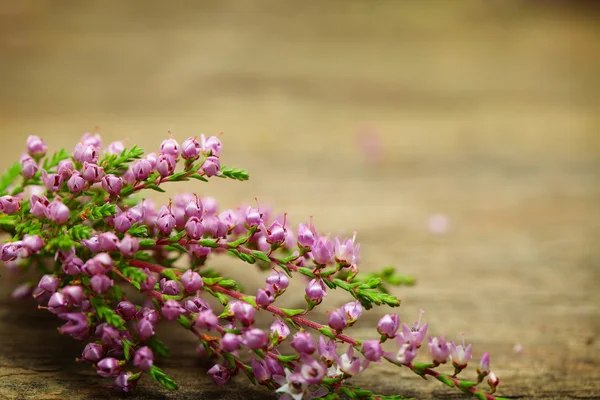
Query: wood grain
x=487, y=112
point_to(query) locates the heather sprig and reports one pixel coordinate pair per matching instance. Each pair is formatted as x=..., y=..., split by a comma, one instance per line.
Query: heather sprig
x=81, y=221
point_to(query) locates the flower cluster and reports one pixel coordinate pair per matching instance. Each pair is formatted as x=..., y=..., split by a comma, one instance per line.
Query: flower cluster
x=79, y=220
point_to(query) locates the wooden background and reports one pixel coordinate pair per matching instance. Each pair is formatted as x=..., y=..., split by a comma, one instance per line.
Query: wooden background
x=487, y=112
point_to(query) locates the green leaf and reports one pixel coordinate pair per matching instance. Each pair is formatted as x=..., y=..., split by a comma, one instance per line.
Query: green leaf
x=168, y=273
x=445, y=380
x=306, y=272
x=292, y=312
x=212, y=243
x=198, y=177
x=185, y=321
x=159, y=376
x=155, y=187
x=158, y=347
x=287, y=359
x=79, y=232
x=260, y=256
x=327, y=332
x=57, y=157
x=99, y=212
x=175, y=247
x=466, y=385
x=7, y=179
x=126, y=348
x=177, y=238
x=103, y=311
x=234, y=173
x=348, y=392
x=113, y=163
x=138, y=230
x=147, y=243
x=8, y=223
x=250, y=300
x=228, y=283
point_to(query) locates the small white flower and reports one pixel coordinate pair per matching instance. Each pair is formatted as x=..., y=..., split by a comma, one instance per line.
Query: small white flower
x=294, y=386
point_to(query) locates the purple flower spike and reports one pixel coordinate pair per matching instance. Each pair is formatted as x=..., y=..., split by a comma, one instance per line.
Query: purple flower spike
x=337, y=320
x=315, y=290
x=388, y=325
x=77, y=325
x=260, y=370
x=112, y=184
x=327, y=351
x=108, y=367
x=101, y=283
x=255, y=338
x=439, y=349
x=219, y=374
x=171, y=310
x=372, y=350
x=92, y=352
x=9, y=205
x=144, y=358
x=211, y=166
x=170, y=147
x=207, y=320
x=230, y=342
x=322, y=251
x=281, y=329
x=303, y=343
x=311, y=370
x=190, y=149
x=36, y=147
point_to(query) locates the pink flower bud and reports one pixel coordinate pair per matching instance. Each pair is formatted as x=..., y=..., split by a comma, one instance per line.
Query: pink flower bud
x=210, y=205
x=144, y=358
x=108, y=367
x=101, y=283
x=348, y=363
x=126, y=309
x=145, y=329
x=211, y=166
x=315, y=290
x=108, y=241
x=65, y=168
x=57, y=303
x=214, y=227
x=228, y=218
x=311, y=370
x=22, y=292
x=322, y=251
x=194, y=228
x=92, y=352
x=171, y=310
x=230, y=342
x=92, y=173
x=260, y=370
x=28, y=167
x=406, y=353
x=91, y=139
x=49, y=283
x=122, y=222
x=165, y=220
x=281, y=329
x=36, y=146
x=57, y=212
x=372, y=350
x=460, y=355
x=77, y=325
x=212, y=145
x=306, y=237
x=165, y=165
x=243, y=312
x=253, y=217
x=266, y=296
x=169, y=287
x=9, y=205
x=303, y=343
x=388, y=325
x=77, y=183
x=190, y=149
x=191, y=281
x=116, y=148
x=52, y=181
x=112, y=184
x=278, y=280
x=219, y=374
x=10, y=251
x=141, y=169
x=93, y=244
x=353, y=311
x=194, y=209
x=206, y=320
x=493, y=381
x=255, y=338
x=439, y=349
x=170, y=147
x=73, y=294
x=337, y=320
x=38, y=205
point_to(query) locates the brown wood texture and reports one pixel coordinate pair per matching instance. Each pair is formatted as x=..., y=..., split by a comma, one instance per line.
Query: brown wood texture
x=487, y=112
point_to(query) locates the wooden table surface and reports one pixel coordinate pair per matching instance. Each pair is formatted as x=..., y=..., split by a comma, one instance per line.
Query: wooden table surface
x=487, y=113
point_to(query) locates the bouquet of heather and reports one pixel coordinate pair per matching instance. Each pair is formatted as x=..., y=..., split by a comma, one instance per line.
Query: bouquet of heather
x=79, y=220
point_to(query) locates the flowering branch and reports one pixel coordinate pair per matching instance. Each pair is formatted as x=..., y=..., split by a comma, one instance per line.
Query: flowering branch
x=76, y=220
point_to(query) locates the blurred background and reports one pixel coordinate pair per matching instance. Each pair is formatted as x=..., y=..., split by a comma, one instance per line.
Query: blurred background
x=459, y=138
